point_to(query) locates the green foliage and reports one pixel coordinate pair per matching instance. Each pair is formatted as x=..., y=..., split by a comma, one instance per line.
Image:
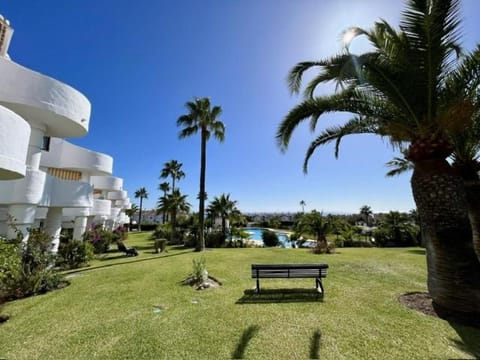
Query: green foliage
x=74, y=254
x=100, y=238
x=397, y=229
x=215, y=239
x=29, y=266
x=160, y=245
x=270, y=239
x=199, y=272
x=10, y=261
x=162, y=231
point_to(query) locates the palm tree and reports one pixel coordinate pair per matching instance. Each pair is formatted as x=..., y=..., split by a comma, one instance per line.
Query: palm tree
x=398, y=90
x=366, y=213
x=173, y=203
x=130, y=213
x=202, y=118
x=172, y=169
x=224, y=207
x=165, y=187
x=142, y=194
x=315, y=223
x=303, y=204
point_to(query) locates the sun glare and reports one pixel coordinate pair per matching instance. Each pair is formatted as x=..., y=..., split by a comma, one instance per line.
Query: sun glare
x=348, y=37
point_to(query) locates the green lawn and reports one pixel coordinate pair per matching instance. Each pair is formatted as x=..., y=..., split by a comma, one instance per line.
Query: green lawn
x=108, y=310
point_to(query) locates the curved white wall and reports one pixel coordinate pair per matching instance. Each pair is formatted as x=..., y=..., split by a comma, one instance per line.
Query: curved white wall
x=101, y=207
x=65, y=155
x=107, y=182
x=39, y=98
x=117, y=195
x=24, y=191
x=63, y=193
x=14, y=137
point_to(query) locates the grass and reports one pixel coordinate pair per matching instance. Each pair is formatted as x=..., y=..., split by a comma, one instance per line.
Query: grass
x=136, y=308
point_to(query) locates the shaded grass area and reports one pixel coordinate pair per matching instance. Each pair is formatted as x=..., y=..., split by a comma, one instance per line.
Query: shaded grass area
x=135, y=308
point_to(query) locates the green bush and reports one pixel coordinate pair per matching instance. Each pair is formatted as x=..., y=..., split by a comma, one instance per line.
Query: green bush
x=74, y=254
x=160, y=245
x=215, y=239
x=100, y=238
x=270, y=239
x=10, y=261
x=162, y=231
x=29, y=267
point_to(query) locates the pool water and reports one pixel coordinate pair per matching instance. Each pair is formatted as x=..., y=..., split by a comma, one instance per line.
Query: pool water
x=256, y=234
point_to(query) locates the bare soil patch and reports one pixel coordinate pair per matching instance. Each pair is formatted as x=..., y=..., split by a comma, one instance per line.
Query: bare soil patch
x=418, y=301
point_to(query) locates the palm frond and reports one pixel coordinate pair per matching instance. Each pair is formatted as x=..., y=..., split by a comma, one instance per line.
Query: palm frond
x=398, y=166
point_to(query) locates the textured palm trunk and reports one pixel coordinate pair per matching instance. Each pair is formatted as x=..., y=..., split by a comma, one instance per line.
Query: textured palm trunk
x=453, y=267
x=174, y=226
x=472, y=188
x=140, y=216
x=201, y=203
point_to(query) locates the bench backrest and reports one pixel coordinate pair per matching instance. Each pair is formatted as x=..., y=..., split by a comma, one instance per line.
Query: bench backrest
x=289, y=270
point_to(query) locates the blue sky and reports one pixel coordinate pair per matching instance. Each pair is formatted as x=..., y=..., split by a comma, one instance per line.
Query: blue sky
x=138, y=63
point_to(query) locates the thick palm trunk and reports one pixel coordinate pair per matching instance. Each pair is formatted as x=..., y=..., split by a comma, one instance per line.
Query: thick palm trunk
x=140, y=216
x=453, y=267
x=472, y=188
x=201, y=206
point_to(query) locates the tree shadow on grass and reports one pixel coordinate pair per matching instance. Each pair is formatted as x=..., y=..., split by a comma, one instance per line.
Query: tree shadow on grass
x=470, y=339
x=315, y=345
x=137, y=260
x=417, y=251
x=280, y=296
x=247, y=335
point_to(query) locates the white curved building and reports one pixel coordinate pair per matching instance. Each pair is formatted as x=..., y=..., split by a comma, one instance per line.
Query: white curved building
x=45, y=180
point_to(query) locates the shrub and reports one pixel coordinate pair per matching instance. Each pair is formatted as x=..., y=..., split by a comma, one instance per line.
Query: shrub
x=100, y=238
x=30, y=267
x=74, y=254
x=215, y=239
x=160, y=245
x=10, y=261
x=162, y=231
x=328, y=248
x=270, y=238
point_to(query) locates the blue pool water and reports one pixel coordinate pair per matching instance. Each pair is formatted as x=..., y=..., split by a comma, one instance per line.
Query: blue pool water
x=256, y=234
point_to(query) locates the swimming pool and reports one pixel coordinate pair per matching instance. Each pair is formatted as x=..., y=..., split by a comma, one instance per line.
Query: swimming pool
x=256, y=234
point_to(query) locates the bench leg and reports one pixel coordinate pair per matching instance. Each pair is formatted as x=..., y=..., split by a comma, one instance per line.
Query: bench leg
x=319, y=285
x=257, y=289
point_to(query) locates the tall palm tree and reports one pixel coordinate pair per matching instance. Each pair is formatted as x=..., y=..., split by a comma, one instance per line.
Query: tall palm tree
x=303, y=204
x=366, y=213
x=165, y=187
x=142, y=194
x=398, y=90
x=224, y=207
x=172, y=169
x=201, y=117
x=173, y=203
x=130, y=213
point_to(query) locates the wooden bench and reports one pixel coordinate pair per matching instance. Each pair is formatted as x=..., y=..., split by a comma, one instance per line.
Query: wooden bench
x=290, y=271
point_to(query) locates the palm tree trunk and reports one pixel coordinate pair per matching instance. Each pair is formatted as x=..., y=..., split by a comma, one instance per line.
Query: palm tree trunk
x=453, y=267
x=201, y=205
x=140, y=215
x=472, y=188
x=174, y=225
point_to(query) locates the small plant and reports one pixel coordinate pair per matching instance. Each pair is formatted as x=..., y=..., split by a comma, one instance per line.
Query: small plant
x=270, y=239
x=74, y=254
x=200, y=272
